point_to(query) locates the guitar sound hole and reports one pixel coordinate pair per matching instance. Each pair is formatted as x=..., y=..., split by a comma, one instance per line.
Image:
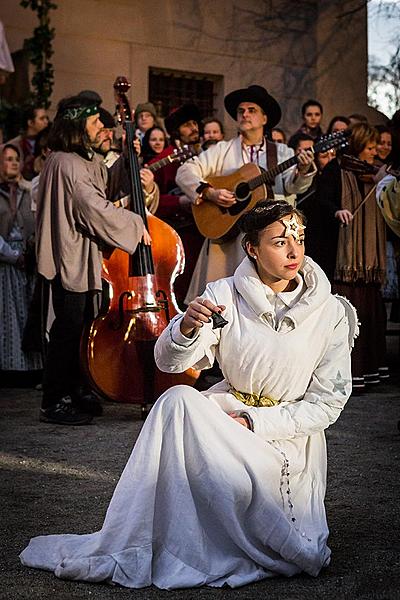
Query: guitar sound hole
x=242, y=191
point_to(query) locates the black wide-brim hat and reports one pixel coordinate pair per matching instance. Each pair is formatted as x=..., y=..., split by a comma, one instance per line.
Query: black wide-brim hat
x=181, y=115
x=258, y=95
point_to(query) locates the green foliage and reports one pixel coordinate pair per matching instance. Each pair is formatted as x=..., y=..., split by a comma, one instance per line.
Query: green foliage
x=40, y=50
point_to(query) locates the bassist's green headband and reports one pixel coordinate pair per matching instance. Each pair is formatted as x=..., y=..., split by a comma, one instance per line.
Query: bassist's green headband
x=74, y=114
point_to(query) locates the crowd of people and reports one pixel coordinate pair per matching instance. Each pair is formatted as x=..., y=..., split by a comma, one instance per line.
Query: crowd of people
x=241, y=464
x=346, y=234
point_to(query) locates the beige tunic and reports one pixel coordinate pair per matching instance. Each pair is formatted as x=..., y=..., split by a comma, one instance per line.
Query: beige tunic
x=74, y=220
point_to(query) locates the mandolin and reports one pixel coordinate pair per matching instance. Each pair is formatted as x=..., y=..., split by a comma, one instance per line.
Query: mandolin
x=249, y=186
x=179, y=155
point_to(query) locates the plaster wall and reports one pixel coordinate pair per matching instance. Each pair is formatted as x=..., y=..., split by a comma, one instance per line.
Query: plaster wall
x=295, y=49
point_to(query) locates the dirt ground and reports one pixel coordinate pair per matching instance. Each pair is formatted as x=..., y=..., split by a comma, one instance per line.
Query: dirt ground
x=59, y=479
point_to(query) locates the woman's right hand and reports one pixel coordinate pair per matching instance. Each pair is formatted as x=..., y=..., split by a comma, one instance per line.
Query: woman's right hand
x=197, y=313
x=344, y=216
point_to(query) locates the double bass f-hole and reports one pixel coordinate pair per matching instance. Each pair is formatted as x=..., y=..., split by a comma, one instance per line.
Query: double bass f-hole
x=162, y=304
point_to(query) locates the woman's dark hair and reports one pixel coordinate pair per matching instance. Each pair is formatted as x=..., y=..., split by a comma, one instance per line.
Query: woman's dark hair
x=382, y=129
x=12, y=147
x=70, y=135
x=262, y=215
x=341, y=118
x=147, y=152
x=311, y=103
x=208, y=120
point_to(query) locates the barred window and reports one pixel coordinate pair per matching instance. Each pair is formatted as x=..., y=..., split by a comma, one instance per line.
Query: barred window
x=169, y=89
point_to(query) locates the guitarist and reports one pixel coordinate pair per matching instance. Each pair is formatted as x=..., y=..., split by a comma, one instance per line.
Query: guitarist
x=254, y=110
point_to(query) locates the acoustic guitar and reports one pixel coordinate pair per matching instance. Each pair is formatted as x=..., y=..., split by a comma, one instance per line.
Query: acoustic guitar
x=249, y=186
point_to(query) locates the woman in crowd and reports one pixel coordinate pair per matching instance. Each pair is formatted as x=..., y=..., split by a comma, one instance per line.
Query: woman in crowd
x=278, y=135
x=153, y=143
x=338, y=123
x=384, y=145
x=227, y=486
x=17, y=263
x=212, y=129
x=353, y=250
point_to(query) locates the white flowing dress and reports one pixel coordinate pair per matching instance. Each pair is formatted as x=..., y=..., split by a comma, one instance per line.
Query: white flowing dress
x=202, y=499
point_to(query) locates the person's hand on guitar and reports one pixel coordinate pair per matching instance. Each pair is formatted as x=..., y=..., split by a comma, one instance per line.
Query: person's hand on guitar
x=223, y=198
x=305, y=159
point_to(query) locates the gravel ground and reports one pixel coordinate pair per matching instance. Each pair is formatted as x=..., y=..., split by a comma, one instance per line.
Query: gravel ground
x=59, y=479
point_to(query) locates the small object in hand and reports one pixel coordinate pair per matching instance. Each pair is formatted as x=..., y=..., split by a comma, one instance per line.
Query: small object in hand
x=218, y=320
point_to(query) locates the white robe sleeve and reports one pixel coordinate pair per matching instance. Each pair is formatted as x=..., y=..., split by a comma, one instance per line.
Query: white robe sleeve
x=175, y=353
x=293, y=181
x=195, y=171
x=326, y=395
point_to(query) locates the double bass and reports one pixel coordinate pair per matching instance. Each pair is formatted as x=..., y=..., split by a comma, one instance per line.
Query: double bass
x=117, y=349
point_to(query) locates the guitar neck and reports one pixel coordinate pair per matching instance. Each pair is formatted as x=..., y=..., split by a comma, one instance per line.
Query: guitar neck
x=268, y=176
x=161, y=163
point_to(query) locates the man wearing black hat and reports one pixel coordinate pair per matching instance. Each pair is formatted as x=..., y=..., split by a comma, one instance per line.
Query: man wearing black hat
x=174, y=207
x=255, y=111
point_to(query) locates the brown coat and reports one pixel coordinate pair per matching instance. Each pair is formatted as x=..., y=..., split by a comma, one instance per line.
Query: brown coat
x=75, y=219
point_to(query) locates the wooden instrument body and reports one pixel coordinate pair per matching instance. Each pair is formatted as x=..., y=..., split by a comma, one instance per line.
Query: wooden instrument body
x=119, y=345
x=214, y=221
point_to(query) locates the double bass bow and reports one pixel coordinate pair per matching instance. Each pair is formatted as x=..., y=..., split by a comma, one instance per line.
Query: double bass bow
x=118, y=349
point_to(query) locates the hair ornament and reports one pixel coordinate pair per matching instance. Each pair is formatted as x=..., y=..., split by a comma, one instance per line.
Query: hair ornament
x=293, y=227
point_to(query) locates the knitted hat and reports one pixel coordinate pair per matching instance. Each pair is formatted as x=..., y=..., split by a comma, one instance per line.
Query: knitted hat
x=145, y=107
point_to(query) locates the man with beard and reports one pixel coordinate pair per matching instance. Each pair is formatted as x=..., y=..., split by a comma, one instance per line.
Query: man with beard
x=182, y=125
x=74, y=221
x=118, y=186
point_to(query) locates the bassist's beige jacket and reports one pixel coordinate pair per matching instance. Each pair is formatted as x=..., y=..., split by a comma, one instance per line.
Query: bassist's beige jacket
x=74, y=220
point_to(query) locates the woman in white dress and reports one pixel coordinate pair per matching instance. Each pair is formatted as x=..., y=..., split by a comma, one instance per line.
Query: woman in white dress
x=227, y=486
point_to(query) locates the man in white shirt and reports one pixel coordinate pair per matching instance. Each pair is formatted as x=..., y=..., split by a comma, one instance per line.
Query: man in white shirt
x=254, y=110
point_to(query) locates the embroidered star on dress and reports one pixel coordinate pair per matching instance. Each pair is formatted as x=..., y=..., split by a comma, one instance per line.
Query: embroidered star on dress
x=339, y=384
x=293, y=227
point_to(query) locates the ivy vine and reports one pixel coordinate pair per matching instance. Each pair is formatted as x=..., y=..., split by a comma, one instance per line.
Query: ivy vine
x=40, y=51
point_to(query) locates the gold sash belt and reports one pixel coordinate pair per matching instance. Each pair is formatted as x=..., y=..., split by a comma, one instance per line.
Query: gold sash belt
x=253, y=399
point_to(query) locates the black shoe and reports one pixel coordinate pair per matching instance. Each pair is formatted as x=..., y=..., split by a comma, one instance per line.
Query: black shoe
x=64, y=413
x=89, y=404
